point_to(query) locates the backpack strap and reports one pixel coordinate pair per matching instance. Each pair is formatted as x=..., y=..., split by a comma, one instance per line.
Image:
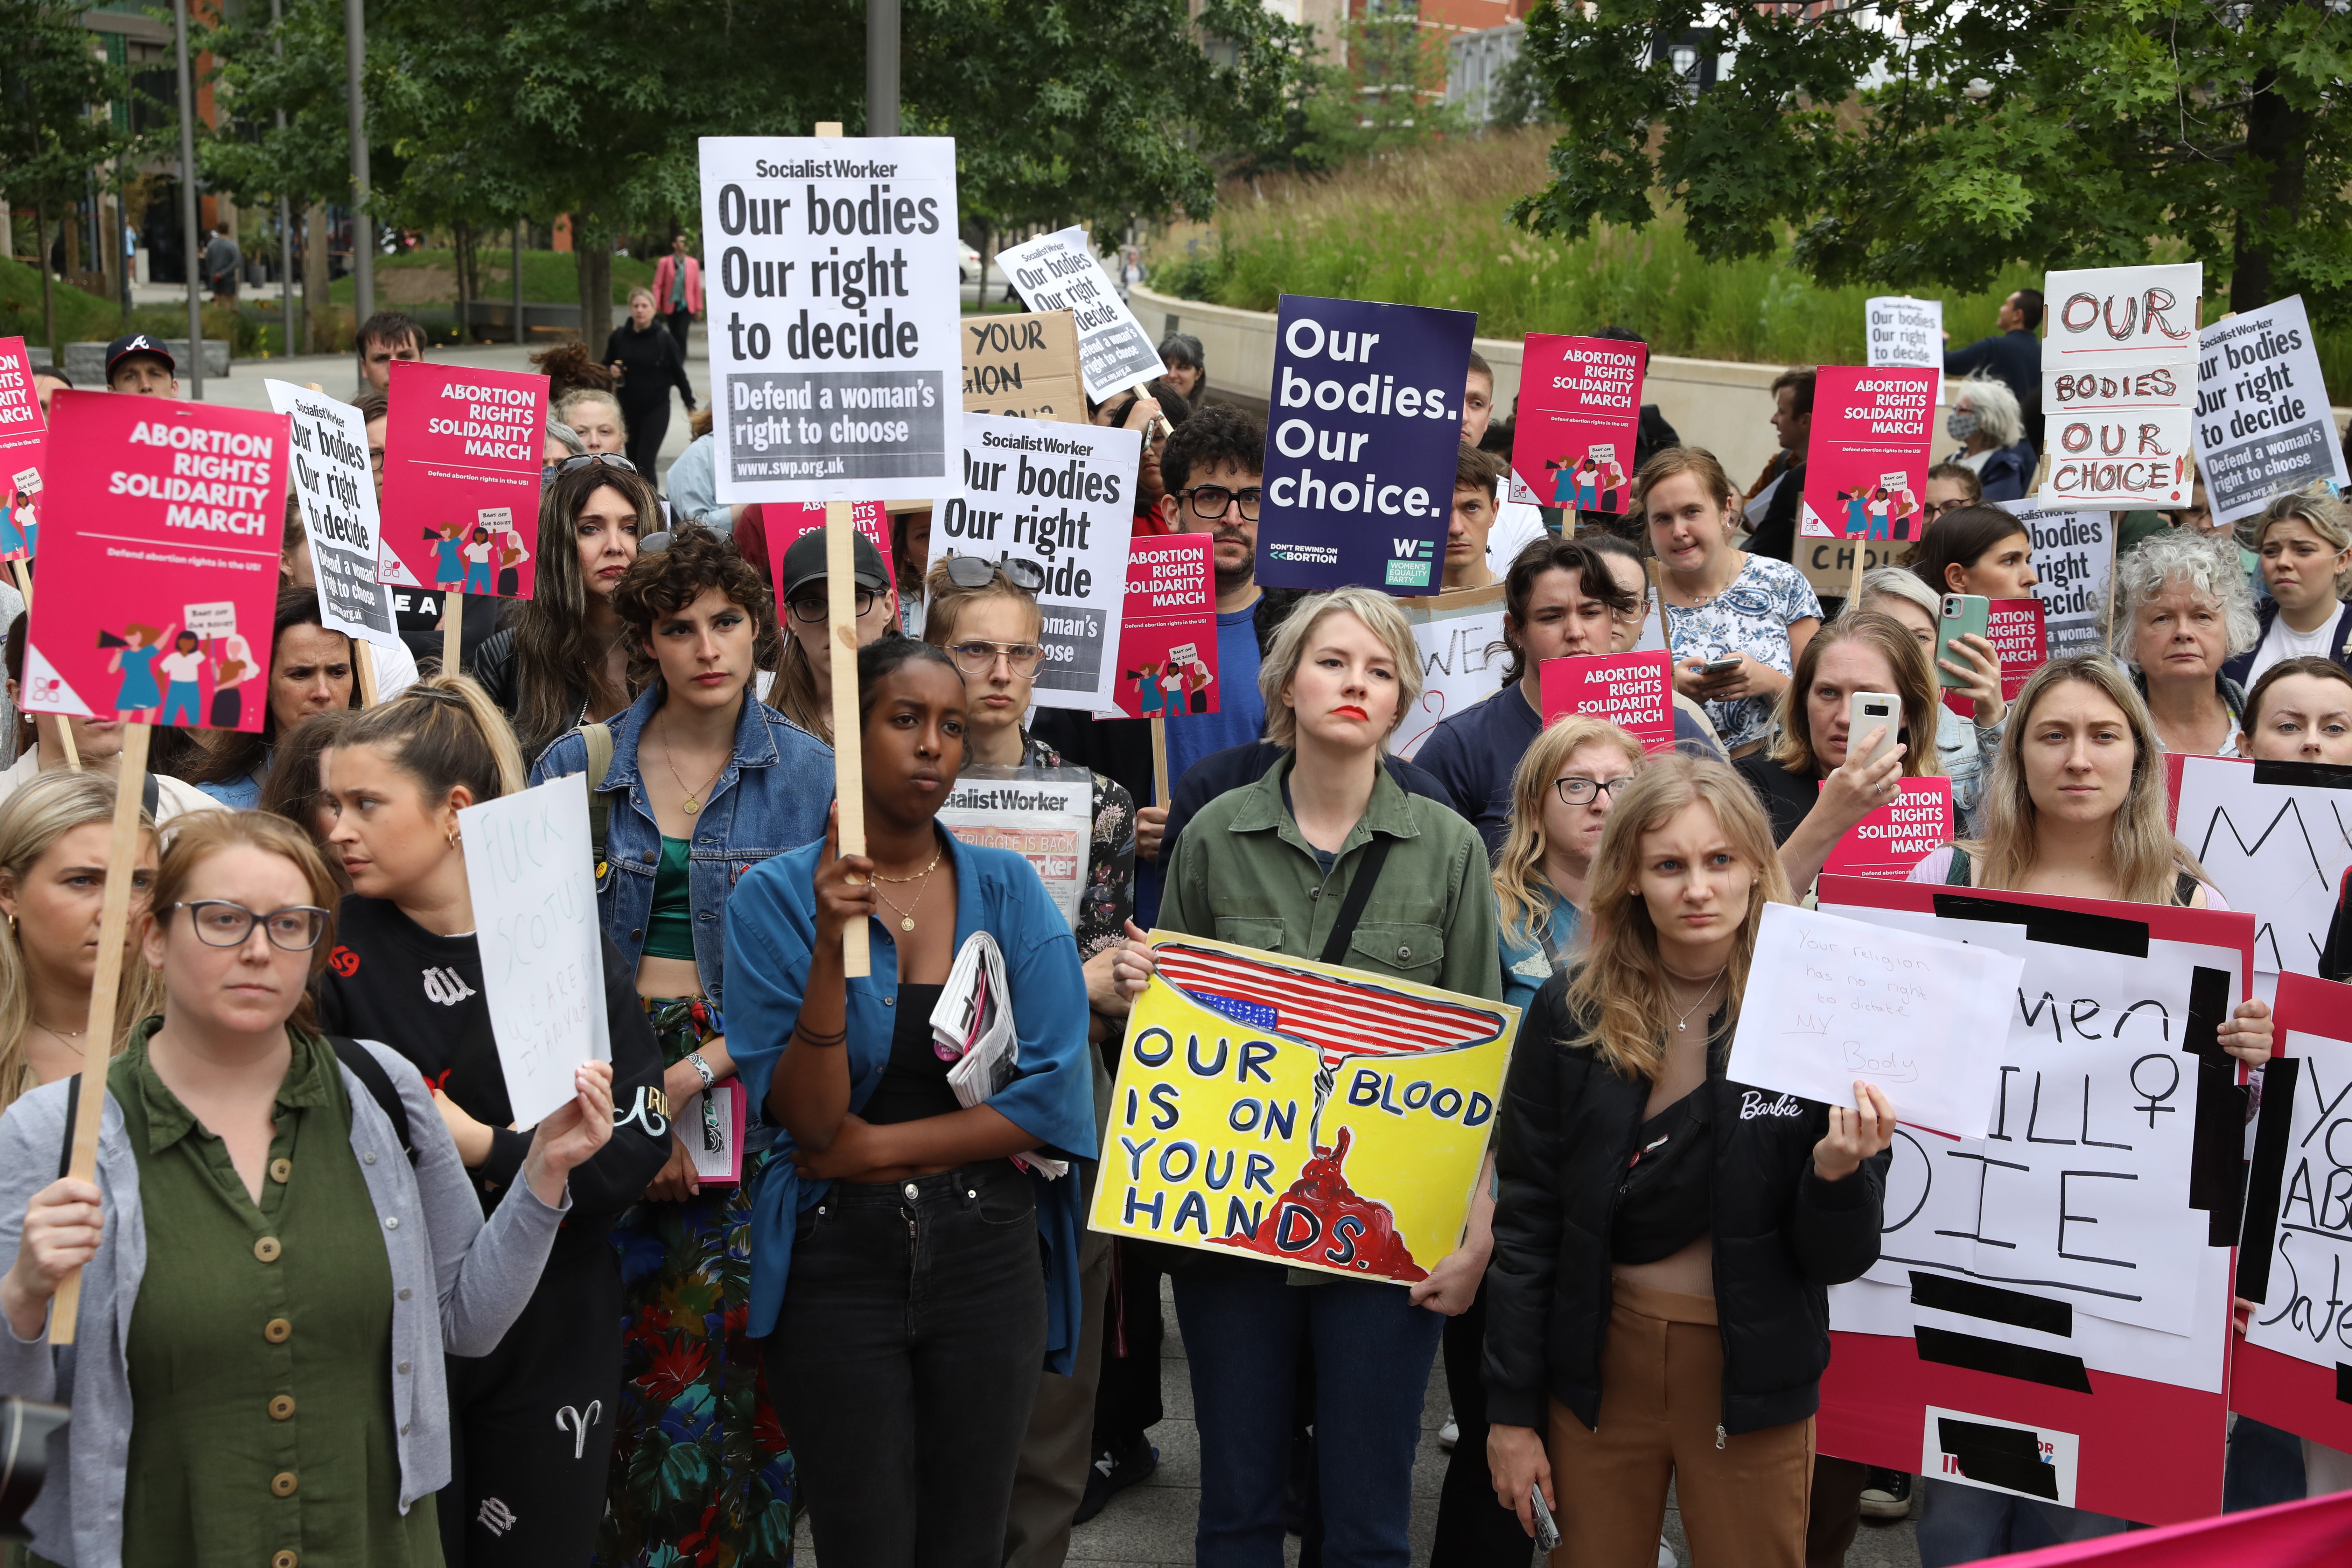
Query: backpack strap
x=2184, y=889
x=378, y=1083
x=1359, y=893
x=599, y=739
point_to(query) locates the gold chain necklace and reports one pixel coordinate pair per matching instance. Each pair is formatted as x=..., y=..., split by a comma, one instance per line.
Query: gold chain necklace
x=669, y=761
x=907, y=915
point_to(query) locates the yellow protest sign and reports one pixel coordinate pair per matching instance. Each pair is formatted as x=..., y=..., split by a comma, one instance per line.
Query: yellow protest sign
x=1317, y=1116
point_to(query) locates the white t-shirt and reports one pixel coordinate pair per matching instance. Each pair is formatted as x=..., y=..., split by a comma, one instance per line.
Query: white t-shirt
x=2282, y=642
x=1517, y=526
x=181, y=665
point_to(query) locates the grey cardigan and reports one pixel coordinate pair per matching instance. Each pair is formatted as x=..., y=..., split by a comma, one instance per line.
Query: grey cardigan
x=481, y=1275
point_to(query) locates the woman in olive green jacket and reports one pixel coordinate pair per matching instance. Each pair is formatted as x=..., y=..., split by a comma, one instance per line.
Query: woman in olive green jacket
x=1271, y=866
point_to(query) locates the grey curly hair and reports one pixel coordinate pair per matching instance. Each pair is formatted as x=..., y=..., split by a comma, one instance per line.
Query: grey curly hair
x=2210, y=566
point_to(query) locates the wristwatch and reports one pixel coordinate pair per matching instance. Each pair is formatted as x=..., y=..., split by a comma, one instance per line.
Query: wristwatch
x=713, y=1139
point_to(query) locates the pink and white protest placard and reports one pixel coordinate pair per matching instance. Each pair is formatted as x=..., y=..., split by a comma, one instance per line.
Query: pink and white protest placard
x=24, y=444
x=1168, y=638
x=166, y=584
x=1867, y=465
x=2119, y=378
x=1579, y=409
x=461, y=474
x=1634, y=691
x=2020, y=641
x=1898, y=834
x=780, y=525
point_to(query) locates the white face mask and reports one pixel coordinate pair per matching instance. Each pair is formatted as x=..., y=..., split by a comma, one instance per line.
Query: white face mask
x=1960, y=425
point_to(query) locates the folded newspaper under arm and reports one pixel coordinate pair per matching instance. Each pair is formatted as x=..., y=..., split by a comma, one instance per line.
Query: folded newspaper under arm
x=972, y=1025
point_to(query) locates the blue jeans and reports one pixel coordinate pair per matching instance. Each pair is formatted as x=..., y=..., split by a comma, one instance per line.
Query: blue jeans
x=1244, y=1332
x=2266, y=1467
x=1960, y=1524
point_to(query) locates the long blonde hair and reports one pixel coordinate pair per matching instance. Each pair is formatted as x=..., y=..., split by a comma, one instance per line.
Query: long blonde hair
x=2149, y=859
x=1792, y=747
x=1621, y=985
x=1521, y=894
x=32, y=820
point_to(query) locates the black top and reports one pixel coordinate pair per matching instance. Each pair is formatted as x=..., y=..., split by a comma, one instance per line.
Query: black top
x=650, y=365
x=1785, y=796
x=1666, y=1199
x=392, y=981
x=915, y=1083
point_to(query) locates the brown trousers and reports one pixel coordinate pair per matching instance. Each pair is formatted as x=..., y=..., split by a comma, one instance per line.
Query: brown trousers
x=1743, y=1498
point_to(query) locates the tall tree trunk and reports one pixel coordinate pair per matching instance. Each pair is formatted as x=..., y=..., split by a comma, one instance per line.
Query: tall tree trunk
x=317, y=313
x=48, y=284
x=592, y=250
x=2277, y=134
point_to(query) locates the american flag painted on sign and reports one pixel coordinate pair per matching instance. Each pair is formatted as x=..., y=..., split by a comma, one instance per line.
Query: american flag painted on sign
x=1339, y=1019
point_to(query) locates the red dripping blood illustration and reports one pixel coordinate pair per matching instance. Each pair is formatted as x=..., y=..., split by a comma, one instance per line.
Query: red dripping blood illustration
x=1321, y=1219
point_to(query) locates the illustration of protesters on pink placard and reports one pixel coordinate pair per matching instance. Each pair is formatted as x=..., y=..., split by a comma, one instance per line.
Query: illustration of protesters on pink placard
x=23, y=443
x=461, y=461
x=157, y=607
x=1867, y=463
x=1167, y=636
x=1579, y=409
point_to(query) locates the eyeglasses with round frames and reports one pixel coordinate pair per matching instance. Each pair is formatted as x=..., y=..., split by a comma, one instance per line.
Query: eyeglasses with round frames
x=978, y=658
x=220, y=923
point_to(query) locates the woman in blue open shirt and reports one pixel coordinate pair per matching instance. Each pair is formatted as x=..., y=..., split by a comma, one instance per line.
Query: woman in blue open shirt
x=896, y=1246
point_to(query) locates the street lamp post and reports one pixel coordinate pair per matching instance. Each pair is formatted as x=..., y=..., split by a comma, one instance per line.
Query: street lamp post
x=362, y=223
x=194, y=257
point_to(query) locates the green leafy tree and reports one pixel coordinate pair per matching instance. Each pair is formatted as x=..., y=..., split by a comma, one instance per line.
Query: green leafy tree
x=53, y=127
x=1933, y=141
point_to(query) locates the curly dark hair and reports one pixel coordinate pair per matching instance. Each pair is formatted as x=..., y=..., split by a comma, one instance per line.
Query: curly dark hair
x=667, y=581
x=884, y=657
x=1219, y=433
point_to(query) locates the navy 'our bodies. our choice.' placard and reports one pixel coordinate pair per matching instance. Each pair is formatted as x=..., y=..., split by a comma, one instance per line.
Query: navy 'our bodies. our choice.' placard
x=1362, y=443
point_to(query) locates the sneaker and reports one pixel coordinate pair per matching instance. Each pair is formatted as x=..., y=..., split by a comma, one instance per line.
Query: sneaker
x=1450, y=1434
x=1886, y=1494
x=1666, y=1558
x=1115, y=1472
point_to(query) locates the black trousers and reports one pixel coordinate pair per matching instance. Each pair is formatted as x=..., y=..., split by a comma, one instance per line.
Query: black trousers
x=1473, y=1531
x=678, y=322
x=530, y=1425
x=1127, y=1400
x=904, y=1362
x=649, y=423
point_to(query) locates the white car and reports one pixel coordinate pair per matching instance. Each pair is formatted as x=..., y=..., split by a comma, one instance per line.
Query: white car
x=967, y=262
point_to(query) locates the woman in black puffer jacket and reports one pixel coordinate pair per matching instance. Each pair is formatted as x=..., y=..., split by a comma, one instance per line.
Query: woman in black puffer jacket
x=1657, y=1304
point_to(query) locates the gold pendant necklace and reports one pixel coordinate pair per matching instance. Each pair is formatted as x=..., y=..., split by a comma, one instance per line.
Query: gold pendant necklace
x=669, y=759
x=907, y=915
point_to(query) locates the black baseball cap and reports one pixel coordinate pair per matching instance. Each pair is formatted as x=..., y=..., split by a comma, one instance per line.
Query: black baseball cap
x=123, y=348
x=804, y=563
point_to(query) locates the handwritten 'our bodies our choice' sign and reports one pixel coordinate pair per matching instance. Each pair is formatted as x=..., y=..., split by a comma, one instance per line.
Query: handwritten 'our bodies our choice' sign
x=529, y=862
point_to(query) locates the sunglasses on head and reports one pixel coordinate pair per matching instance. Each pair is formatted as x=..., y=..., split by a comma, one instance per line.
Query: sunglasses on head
x=585, y=458
x=978, y=572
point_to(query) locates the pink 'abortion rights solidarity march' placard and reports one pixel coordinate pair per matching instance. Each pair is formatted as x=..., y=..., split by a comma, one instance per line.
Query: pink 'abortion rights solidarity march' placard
x=461, y=472
x=23, y=445
x=158, y=599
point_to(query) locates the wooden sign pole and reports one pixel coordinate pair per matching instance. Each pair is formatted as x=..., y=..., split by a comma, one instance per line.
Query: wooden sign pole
x=363, y=670
x=65, y=728
x=841, y=625
x=98, y=1036
x=453, y=633
x=1160, y=760
x=1854, y=584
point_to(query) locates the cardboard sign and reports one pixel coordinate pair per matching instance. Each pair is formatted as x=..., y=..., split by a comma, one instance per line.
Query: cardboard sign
x=2014, y=628
x=2118, y=390
x=1299, y=1112
x=1459, y=634
x=1058, y=272
x=2275, y=838
x=2074, y=555
x=1024, y=367
x=2069, y=1272
x=1361, y=444
x=2138, y=458
x=1832, y=1001
x=1579, y=411
x=530, y=864
x=461, y=463
x=336, y=490
x=1045, y=815
x=24, y=444
x=1168, y=638
x=2263, y=426
x=1634, y=691
x=1828, y=564
x=2104, y=318
x=1059, y=497
x=2118, y=365
x=2297, y=1249
x=1904, y=332
x=833, y=315
x=1896, y=835
x=782, y=524
x=1867, y=465
x=177, y=510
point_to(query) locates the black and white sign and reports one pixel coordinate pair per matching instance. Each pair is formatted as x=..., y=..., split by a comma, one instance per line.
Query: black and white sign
x=2263, y=426
x=335, y=490
x=1058, y=272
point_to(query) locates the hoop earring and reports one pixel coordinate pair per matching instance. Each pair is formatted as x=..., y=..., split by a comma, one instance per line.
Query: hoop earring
x=455, y=837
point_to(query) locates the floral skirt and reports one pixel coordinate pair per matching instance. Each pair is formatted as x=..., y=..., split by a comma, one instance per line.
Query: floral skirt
x=701, y=1472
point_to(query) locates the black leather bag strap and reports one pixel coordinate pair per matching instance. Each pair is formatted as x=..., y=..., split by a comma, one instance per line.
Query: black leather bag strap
x=379, y=1084
x=73, y=1115
x=1359, y=893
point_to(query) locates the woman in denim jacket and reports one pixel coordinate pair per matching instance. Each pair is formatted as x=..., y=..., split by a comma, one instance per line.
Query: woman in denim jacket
x=703, y=782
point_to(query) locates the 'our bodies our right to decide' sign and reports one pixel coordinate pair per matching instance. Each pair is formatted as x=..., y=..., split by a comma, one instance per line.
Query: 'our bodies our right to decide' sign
x=336, y=493
x=834, y=294
x=2263, y=426
x=1060, y=497
x=1905, y=332
x=1058, y=272
x=1579, y=411
x=1361, y=444
x=2074, y=554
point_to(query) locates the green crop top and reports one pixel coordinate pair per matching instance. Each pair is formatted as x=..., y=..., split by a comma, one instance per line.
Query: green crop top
x=670, y=929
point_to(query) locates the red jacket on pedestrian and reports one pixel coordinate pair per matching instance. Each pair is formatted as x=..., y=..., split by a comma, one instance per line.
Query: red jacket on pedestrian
x=663, y=271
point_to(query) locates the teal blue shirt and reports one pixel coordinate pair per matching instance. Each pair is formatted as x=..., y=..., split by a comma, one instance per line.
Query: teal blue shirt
x=1526, y=965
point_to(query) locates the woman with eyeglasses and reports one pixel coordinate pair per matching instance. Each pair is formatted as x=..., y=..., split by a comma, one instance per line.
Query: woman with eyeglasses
x=1561, y=799
x=528, y=1483
x=803, y=691
x=562, y=660
x=704, y=781
x=277, y=1251
x=1951, y=486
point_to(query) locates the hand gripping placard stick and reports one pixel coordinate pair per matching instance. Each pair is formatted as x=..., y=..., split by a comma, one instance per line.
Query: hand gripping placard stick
x=98, y=1035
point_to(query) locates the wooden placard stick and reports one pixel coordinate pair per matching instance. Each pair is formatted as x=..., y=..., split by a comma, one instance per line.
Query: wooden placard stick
x=105, y=984
x=363, y=670
x=841, y=625
x=1860, y=560
x=65, y=726
x=453, y=632
x=1160, y=760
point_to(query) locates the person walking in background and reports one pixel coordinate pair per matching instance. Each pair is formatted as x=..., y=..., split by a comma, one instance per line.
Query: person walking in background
x=678, y=292
x=223, y=262
x=650, y=359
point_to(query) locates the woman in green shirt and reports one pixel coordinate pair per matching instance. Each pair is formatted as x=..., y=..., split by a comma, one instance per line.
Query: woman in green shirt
x=1271, y=866
x=267, y=1281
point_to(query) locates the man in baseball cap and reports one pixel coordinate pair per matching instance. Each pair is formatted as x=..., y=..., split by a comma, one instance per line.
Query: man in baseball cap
x=141, y=366
x=801, y=598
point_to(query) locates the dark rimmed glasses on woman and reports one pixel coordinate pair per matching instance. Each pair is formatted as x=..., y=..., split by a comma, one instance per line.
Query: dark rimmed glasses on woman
x=1575, y=789
x=297, y=928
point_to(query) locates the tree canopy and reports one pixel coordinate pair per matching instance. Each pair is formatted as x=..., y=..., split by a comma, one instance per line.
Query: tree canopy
x=1933, y=141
